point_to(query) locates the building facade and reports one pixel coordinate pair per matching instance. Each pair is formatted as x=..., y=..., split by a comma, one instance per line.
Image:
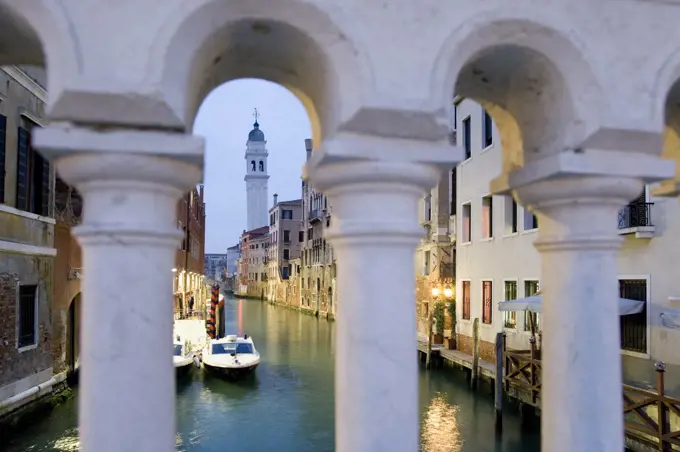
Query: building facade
x=189, y=269
x=253, y=263
x=215, y=266
x=285, y=229
x=317, y=276
x=576, y=149
x=27, y=248
x=497, y=259
x=257, y=178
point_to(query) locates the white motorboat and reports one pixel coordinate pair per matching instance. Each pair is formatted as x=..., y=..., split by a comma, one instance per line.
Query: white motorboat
x=231, y=357
x=182, y=357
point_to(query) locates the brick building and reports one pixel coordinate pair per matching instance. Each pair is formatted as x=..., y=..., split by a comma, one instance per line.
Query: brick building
x=190, y=255
x=26, y=243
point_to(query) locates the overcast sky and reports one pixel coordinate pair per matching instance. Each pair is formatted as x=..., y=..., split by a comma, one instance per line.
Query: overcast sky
x=224, y=119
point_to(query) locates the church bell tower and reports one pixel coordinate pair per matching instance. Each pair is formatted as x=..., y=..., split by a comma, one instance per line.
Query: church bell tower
x=257, y=191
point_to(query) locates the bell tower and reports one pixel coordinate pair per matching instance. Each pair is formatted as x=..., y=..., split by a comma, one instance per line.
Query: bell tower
x=257, y=191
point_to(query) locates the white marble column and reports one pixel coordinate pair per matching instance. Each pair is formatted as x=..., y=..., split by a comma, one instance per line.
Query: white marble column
x=581, y=406
x=374, y=234
x=130, y=182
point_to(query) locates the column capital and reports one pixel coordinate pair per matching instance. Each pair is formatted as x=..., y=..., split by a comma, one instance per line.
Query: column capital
x=374, y=185
x=130, y=180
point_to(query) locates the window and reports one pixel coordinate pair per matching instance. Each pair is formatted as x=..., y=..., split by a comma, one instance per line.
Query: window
x=452, y=207
x=286, y=214
x=428, y=208
x=426, y=264
x=487, y=302
x=634, y=326
x=510, y=317
x=28, y=311
x=3, y=133
x=284, y=272
x=487, y=130
x=530, y=221
x=467, y=143
x=487, y=217
x=252, y=165
x=510, y=215
x=310, y=234
x=466, y=300
x=286, y=236
x=466, y=230
x=261, y=166
x=531, y=289
x=33, y=177
x=301, y=236
x=286, y=254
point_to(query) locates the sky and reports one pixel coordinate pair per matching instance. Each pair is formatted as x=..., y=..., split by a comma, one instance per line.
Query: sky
x=225, y=118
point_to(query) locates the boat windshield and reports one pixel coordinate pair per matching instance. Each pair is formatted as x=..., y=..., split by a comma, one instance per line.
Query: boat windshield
x=242, y=348
x=178, y=350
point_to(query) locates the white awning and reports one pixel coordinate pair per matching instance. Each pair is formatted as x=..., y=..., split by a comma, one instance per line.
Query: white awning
x=533, y=304
x=671, y=319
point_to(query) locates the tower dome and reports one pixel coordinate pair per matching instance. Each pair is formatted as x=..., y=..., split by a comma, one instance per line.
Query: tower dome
x=256, y=134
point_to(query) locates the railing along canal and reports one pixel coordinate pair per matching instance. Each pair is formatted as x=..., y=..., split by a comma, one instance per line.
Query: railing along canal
x=652, y=418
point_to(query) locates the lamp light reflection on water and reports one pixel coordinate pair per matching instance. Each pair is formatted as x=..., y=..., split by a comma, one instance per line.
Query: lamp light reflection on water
x=439, y=429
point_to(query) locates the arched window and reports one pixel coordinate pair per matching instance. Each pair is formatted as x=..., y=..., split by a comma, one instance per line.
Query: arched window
x=252, y=164
x=261, y=166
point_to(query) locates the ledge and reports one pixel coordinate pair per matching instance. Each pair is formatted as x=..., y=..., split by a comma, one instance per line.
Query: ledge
x=641, y=232
x=22, y=213
x=30, y=250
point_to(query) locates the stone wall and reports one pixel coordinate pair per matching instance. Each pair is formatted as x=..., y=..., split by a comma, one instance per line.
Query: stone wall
x=15, y=270
x=487, y=350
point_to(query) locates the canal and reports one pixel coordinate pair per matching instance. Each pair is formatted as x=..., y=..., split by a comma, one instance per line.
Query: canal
x=288, y=406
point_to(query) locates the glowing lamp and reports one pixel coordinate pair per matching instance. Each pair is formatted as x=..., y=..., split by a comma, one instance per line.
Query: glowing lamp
x=448, y=292
x=435, y=292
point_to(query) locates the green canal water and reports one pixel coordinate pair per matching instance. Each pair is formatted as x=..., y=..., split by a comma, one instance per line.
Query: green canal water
x=288, y=406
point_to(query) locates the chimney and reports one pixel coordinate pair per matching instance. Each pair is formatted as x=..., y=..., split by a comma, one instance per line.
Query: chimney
x=276, y=199
x=308, y=147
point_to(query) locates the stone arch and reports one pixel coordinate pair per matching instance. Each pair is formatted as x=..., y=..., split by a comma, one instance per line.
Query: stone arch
x=73, y=334
x=532, y=78
x=46, y=39
x=294, y=44
x=666, y=108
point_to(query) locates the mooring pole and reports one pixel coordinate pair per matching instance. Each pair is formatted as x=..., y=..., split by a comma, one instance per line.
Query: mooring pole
x=498, y=395
x=475, y=353
x=428, y=358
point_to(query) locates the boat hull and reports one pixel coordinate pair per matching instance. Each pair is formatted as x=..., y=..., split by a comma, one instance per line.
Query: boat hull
x=184, y=370
x=231, y=373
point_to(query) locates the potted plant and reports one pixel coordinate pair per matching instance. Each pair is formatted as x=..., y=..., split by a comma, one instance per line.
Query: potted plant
x=451, y=341
x=438, y=317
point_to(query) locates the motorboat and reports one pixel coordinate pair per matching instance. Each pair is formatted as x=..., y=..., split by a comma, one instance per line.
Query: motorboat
x=183, y=357
x=231, y=357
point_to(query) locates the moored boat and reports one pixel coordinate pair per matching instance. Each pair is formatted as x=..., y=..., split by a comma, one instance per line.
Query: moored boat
x=182, y=357
x=231, y=357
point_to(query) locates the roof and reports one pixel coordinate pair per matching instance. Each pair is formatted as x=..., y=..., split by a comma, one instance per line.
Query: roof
x=256, y=134
x=257, y=231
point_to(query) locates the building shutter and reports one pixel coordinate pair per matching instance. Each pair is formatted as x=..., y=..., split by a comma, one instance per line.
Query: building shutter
x=22, y=170
x=45, y=188
x=3, y=133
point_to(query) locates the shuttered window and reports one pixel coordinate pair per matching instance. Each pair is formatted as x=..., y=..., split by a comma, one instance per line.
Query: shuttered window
x=22, y=169
x=3, y=133
x=28, y=297
x=33, y=177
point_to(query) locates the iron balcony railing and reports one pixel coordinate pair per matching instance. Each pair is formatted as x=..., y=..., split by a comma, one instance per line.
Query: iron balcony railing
x=316, y=215
x=636, y=215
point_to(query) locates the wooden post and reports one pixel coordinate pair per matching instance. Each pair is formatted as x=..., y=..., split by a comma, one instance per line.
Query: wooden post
x=428, y=357
x=475, y=353
x=663, y=421
x=532, y=367
x=498, y=395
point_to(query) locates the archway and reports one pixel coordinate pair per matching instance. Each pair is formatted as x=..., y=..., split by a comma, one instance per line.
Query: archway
x=73, y=335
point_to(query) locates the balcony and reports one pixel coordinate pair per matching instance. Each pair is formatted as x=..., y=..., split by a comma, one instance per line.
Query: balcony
x=636, y=218
x=316, y=215
x=68, y=204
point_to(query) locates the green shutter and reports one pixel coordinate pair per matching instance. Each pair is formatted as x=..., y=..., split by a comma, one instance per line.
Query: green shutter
x=22, y=170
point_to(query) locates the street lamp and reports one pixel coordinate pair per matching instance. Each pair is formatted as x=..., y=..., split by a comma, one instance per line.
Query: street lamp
x=435, y=292
x=448, y=293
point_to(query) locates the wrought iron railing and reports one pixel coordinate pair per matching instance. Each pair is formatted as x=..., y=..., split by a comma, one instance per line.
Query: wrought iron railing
x=68, y=204
x=316, y=215
x=635, y=215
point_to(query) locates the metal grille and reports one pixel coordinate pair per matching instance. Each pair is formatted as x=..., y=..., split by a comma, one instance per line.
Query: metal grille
x=510, y=317
x=486, y=300
x=634, y=327
x=530, y=289
x=27, y=315
x=636, y=214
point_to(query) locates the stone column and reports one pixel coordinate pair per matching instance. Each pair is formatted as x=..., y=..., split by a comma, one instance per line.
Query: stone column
x=374, y=234
x=577, y=207
x=130, y=182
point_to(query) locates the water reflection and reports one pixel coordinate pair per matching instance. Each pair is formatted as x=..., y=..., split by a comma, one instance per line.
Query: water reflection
x=289, y=404
x=439, y=428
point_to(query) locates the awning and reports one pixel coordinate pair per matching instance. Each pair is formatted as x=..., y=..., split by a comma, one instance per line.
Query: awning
x=671, y=319
x=533, y=304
